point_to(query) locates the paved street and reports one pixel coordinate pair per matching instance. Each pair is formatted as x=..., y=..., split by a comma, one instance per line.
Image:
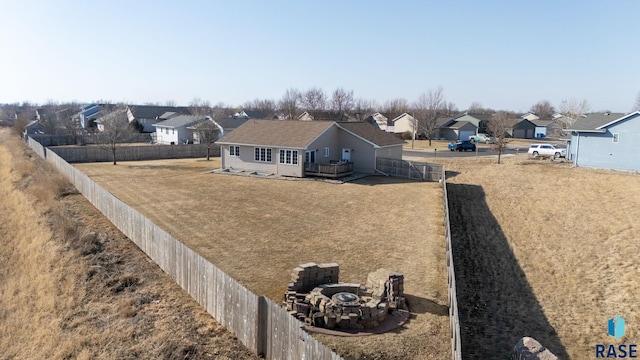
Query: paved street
x=481, y=151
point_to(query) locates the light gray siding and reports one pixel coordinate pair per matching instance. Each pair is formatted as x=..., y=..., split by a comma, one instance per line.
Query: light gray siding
x=246, y=160
x=598, y=149
x=329, y=139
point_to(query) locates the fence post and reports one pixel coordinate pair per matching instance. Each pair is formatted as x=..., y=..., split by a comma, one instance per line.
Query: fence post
x=262, y=327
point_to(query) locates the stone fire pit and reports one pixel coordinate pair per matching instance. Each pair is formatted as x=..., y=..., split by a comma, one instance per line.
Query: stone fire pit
x=316, y=297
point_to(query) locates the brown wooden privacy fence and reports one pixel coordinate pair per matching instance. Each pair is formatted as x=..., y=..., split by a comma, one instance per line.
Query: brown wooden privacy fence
x=410, y=169
x=134, y=153
x=261, y=325
x=82, y=139
x=454, y=318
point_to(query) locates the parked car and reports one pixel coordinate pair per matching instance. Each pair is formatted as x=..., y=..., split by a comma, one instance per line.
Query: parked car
x=546, y=150
x=465, y=145
x=481, y=138
x=452, y=146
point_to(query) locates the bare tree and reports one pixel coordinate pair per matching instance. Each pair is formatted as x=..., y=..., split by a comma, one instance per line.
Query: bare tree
x=289, y=103
x=571, y=111
x=364, y=108
x=342, y=101
x=396, y=107
x=207, y=131
x=20, y=123
x=170, y=103
x=543, y=109
x=199, y=107
x=313, y=101
x=475, y=107
x=268, y=106
x=426, y=110
x=498, y=125
x=636, y=106
x=449, y=108
x=117, y=130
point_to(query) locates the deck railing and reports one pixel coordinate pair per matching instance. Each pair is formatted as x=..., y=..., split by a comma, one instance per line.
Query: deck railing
x=328, y=170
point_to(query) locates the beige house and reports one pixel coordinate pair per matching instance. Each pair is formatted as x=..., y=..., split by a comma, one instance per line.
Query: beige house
x=307, y=148
x=402, y=124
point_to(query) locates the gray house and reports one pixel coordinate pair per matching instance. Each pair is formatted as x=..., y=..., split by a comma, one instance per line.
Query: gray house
x=303, y=148
x=606, y=140
x=522, y=129
x=454, y=129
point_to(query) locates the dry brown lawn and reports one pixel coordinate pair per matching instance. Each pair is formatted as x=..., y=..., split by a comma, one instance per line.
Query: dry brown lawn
x=73, y=287
x=546, y=250
x=258, y=229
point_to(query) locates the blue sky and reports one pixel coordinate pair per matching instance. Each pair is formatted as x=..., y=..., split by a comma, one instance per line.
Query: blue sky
x=503, y=54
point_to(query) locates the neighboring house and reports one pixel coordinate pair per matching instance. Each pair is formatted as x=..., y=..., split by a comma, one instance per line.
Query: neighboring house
x=303, y=148
x=147, y=115
x=108, y=116
x=227, y=125
x=379, y=120
x=454, y=129
x=477, y=119
x=530, y=116
x=324, y=115
x=521, y=129
x=251, y=114
x=34, y=127
x=403, y=123
x=87, y=114
x=176, y=129
x=543, y=128
x=305, y=116
x=606, y=140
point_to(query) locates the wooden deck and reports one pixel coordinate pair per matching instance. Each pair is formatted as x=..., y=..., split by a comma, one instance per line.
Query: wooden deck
x=328, y=170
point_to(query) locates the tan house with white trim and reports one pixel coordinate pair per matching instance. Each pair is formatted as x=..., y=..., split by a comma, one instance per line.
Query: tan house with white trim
x=304, y=148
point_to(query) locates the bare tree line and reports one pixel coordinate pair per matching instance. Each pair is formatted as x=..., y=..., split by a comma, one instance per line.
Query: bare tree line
x=427, y=109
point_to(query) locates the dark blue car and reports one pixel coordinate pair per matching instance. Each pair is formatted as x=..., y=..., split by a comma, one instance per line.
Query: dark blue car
x=465, y=145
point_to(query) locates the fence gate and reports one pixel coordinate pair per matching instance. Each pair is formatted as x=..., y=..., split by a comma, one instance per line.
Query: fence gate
x=410, y=169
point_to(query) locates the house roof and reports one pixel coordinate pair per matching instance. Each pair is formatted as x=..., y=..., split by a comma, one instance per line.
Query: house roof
x=371, y=133
x=152, y=111
x=168, y=115
x=401, y=116
x=514, y=122
x=542, y=123
x=299, y=134
x=595, y=121
x=256, y=114
x=460, y=124
x=179, y=121
x=324, y=115
x=479, y=116
x=231, y=123
x=276, y=133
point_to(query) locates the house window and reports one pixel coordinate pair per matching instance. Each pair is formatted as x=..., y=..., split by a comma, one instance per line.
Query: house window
x=289, y=157
x=326, y=152
x=616, y=138
x=262, y=154
x=234, y=150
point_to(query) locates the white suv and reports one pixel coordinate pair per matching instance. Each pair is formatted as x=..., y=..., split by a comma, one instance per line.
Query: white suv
x=546, y=150
x=481, y=138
